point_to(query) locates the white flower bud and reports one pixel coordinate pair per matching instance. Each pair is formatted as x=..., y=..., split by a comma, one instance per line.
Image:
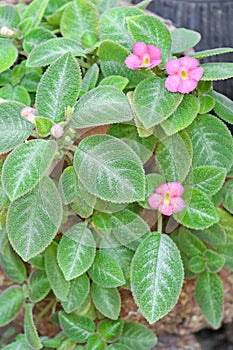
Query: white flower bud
x=57, y=131
x=6, y=31
x=29, y=114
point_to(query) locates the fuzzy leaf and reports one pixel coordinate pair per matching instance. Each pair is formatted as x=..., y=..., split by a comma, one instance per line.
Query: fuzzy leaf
x=109, y=169
x=19, y=344
x=8, y=55
x=189, y=243
x=215, y=261
x=110, y=330
x=223, y=107
x=35, y=37
x=11, y=301
x=228, y=196
x=207, y=103
x=78, y=292
x=90, y=79
x=212, y=52
x=39, y=285
x=217, y=71
x=106, y=300
x=76, y=327
x=95, y=343
x=30, y=329
x=9, y=16
x=155, y=288
x=184, y=39
x=17, y=93
x=116, y=81
x=35, y=11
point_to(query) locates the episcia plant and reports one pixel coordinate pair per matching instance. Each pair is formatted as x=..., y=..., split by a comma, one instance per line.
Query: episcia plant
x=116, y=172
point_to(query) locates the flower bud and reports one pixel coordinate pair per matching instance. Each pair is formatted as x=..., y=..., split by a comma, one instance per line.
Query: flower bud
x=29, y=114
x=6, y=31
x=57, y=131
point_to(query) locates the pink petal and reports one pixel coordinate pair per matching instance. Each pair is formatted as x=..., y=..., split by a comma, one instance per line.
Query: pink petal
x=172, y=82
x=133, y=62
x=172, y=66
x=139, y=49
x=175, y=189
x=189, y=62
x=166, y=209
x=154, y=52
x=187, y=86
x=196, y=73
x=162, y=189
x=155, y=200
x=154, y=63
x=177, y=204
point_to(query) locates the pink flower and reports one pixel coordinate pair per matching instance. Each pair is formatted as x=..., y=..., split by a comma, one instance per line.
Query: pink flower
x=29, y=114
x=143, y=56
x=184, y=74
x=167, y=198
x=6, y=31
x=57, y=131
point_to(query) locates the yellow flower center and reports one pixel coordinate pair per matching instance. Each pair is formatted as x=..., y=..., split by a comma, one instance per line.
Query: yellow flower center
x=146, y=60
x=184, y=75
x=167, y=198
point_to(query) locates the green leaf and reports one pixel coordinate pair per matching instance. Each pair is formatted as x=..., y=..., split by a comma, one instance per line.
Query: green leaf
x=95, y=343
x=196, y=264
x=152, y=182
x=30, y=81
x=199, y=212
x=76, y=251
x=55, y=276
x=212, y=142
x=35, y=11
x=217, y=71
x=155, y=288
x=209, y=294
x=109, y=169
x=17, y=93
x=39, y=285
x=25, y=166
x=153, y=103
x=33, y=220
x=209, y=179
x=105, y=271
x=183, y=116
x=103, y=5
x=213, y=235
x=207, y=103
x=113, y=25
x=79, y=16
x=226, y=221
x=215, y=262
x=43, y=125
x=189, y=243
x=223, y=107
x=8, y=55
x=53, y=6
x=116, y=81
x=19, y=344
x=11, y=301
x=118, y=347
x=228, y=196
x=174, y=156
x=106, y=300
x=110, y=330
x=35, y=37
x=151, y=30
x=5, y=77
x=100, y=106
x=49, y=51
x=76, y=327
x=184, y=39
x=9, y=16
x=78, y=292
x=30, y=329
x=84, y=203
x=205, y=86
x=136, y=336
x=90, y=79
x=112, y=56
x=55, y=16
x=212, y=52
x=143, y=147
x=58, y=88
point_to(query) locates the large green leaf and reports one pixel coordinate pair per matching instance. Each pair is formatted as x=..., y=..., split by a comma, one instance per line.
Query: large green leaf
x=153, y=103
x=33, y=220
x=156, y=276
x=78, y=292
x=184, y=39
x=183, y=116
x=223, y=107
x=209, y=294
x=76, y=251
x=26, y=165
x=8, y=55
x=58, y=88
x=199, y=212
x=9, y=16
x=76, y=327
x=30, y=329
x=49, y=51
x=113, y=25
x=35, y=11
x=100, y=106
x=212, y=142
x=78, y=17
x=106, y=300
x=217, y=71
x=151, y=30
x=109, y=169
x=105, y=271
x=11, y=301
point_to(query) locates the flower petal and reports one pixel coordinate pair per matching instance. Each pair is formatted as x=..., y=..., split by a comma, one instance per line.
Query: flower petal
x=196, y=73
x=166, y=209
x=154, y=63
x=172, y=82
x=133, y=62
x=155, y=200
x=154, y=52
x=172, y=66
x=162, y=189
x=189, y=62
x=139, y=49
x=175, y=189
x=177, y=204
x=187, y=86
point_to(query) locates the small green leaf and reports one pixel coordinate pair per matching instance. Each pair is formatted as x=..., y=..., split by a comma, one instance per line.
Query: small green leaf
x=55, y=276
x=33, y=220
x=49, y=51
x=153, y=103
x=105, y=271
x=103, y=5
x=228, y=196
x=190, y=244
x=90, y=79
x=136, y=336
x=53, y=6
x=8, y=55
x=9, y=16
x=17, y=93
x=154, y=288
x=39, y=285
x=76, y=327
x=95, y=343
x=58, y=88
x=19, y=344
x=100, y=106
x=209, y=295
x=55, y=16
x=76, y=251
x=30, y=329
x=199, y=212
x=78, y=292
x=184, y=39
x=213, y=235
x=35, y=37
x=110, y=330
x=217, y=71
x=197, y=264
x=207, y=103
x=109, y=169
x=11, y=301
x=35, y=11
x=68, y=185
x=26, y=165
x=43, y=125
x=223, y=107
x=116, y=81
x=212, y=52
x=30, y=81
x=215, y=262
x=106, y=300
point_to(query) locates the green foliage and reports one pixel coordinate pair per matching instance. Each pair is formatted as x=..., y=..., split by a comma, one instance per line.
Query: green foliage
x=223, y=107
x=30, y=329
x=8, y=55
x=184, y=39
x=35, y=37
x=78, y=292
x=106, y=300
x=11, y=301
x=9, y=16
x=110, y=330
x=217, y=71
x=39, y=285
x=17, y=93
x=228, y=196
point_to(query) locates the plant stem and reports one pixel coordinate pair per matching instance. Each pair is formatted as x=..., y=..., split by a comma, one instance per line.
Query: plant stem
x=44, y=311
x=160, y=223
